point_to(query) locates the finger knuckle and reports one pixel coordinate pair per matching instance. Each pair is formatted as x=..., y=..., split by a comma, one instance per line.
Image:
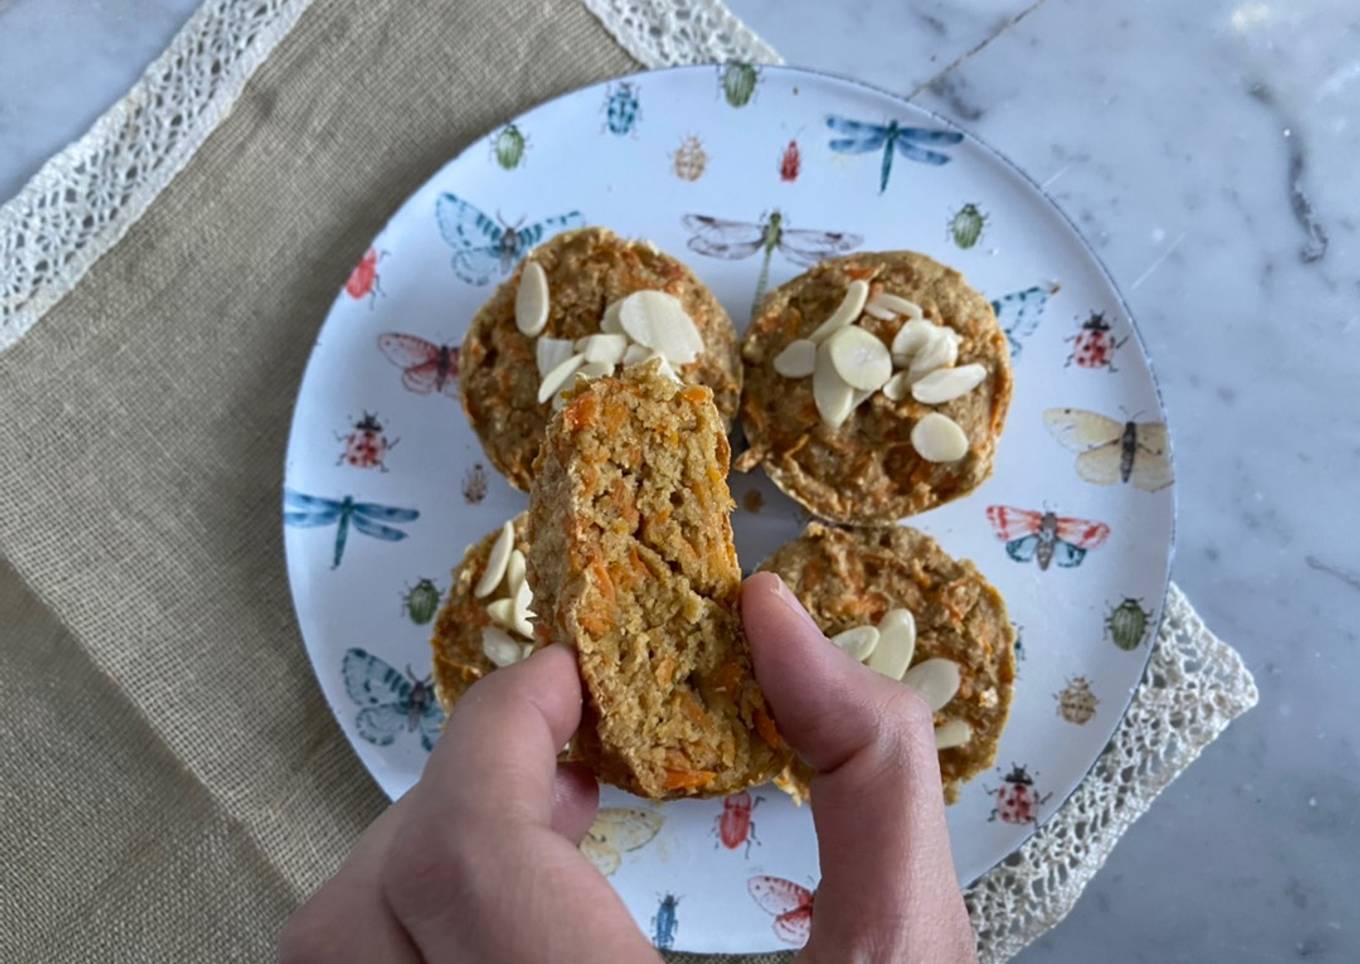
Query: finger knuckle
x=905, y=714
x=422, y=869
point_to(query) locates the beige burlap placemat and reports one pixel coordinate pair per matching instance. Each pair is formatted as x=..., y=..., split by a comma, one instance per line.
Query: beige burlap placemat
x=173, y=783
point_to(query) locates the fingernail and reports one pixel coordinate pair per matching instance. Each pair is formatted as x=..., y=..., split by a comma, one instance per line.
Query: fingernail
x=795, y=606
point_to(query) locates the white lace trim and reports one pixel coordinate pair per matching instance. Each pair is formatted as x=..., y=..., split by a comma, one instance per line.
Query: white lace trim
x=1195, y=686
x=85, y=198
x=667, y=33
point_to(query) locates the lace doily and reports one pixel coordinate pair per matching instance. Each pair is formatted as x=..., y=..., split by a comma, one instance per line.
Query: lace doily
x=87, y=197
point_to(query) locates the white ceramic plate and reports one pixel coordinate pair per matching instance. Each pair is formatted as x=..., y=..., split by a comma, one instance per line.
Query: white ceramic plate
x=638, y=155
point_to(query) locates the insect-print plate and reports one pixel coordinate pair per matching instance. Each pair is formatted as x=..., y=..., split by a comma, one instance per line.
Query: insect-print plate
x=749, y=176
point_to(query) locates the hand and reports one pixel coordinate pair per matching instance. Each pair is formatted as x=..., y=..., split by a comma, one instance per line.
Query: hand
x=478, y=862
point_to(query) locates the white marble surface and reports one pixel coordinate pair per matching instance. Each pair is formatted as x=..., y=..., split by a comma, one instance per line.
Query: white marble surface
x=1208, y=150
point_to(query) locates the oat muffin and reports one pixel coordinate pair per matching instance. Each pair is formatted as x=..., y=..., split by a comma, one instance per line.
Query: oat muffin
x=586, y=271
x=852, y=577
x=893, y=453
x=632, y=563
x=459, y=638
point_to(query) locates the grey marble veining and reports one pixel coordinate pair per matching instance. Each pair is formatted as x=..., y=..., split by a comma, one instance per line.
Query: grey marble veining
x=1209, y=152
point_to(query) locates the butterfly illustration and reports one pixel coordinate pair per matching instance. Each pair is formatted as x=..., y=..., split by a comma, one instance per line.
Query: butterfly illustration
x=1020, y=312
x=862, y=137
x=1044, y=536
x=615, y=831
x=390, y=701
x=483, y=248
x=1110, y=451
x=790, y=903
x=311, y=511
x=428, y=367
x=735, y=240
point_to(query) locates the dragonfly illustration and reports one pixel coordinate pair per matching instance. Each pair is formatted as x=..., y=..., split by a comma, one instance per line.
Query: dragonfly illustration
x=862, y=137
x=734, y=240
x=391, y=702
x=484, y=248
x=1020, y=312
x=311, y=511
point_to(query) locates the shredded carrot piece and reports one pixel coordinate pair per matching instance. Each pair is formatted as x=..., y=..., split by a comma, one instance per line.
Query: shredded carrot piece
x=688, y=779
x=729, y=678
x=581, y=411
x=614, y=417
x=767, y=730
x=697, y=394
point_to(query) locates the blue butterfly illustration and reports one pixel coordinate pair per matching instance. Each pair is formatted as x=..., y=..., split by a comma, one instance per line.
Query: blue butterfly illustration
x=390, y=701
x=311, y=511
x=862, y=137
x=1020, y=312
x=483, y=248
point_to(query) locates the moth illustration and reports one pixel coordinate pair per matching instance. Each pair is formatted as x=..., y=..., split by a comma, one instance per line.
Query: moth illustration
x=617, y=830
x=860, y=137
x=790, y=903
x=427, y=367
x=391, y=702
x=484, y=248
x=1046, y=536
x=1020, y=312
x=311, y=511
x=734, y=240
x=1110, y=451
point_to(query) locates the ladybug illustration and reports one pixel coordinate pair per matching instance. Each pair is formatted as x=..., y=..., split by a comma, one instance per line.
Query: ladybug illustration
x=1076, y=703
x=734, y=825
x=1016, y=801
x=474, y=485
x=366, y=446
x=363, y=280
x=690, y=160
x=1093, y=346
x=789, y=162
x=622, y=108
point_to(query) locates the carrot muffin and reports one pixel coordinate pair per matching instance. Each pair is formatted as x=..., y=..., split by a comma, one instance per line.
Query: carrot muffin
x=876, y=387
x=586, y=301
x=485, y=621
x=892, y=597
x=632, y=563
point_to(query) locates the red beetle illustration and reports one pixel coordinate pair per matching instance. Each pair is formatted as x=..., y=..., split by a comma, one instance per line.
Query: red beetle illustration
x=363, y=280
x=366, y=446
x=734, y=825
x=1016, y=801
x=1093, y=346
x=790, y=162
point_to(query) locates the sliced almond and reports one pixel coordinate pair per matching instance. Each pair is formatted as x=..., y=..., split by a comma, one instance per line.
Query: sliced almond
x=663, y=367
x=659, y=321
x=636, y=354
x=514, y=571
x=551, y=352
x=882, y=314
x=936, y=680
x=861, y=358
x=897, y=629
x=894, y=305
x=858, y=397
x=896, y=643
x=496, y=562
x=502, y=611
x=941, y=351
x=938, y=438
x=608, y=349
x=947, y=384
x=858, y=641
x=910, y=339
x=846, y=312
x=952, y=733
x=531, y=299
x=593, y=370
x=833, y=397
x=519, y=611
x=609, y=321
x=558, y=377
x=898, y=387
x=798, y=359
x=500, y=648
x=559, y=401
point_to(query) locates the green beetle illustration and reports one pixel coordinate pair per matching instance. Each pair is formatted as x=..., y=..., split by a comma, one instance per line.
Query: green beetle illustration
x=965, y=227
x=738, y=82
x=1127, y=623
x=421, y=602
x=508, y=146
